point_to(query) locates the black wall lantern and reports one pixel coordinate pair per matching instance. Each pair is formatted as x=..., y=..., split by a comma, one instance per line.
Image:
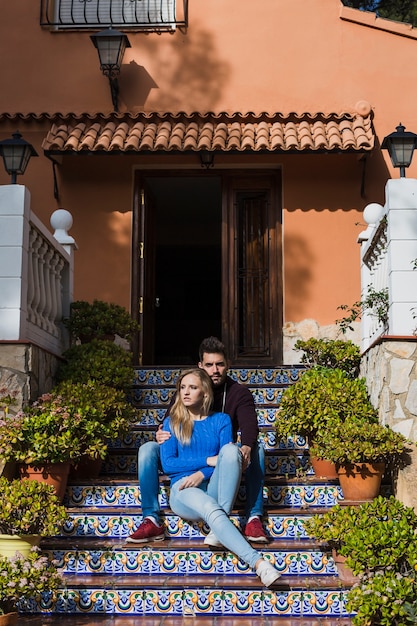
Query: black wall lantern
x=16, y=153
x=111, y=45
x=400, y=146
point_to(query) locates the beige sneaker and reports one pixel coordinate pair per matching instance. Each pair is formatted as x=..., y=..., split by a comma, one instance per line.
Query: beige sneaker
x=212, y=541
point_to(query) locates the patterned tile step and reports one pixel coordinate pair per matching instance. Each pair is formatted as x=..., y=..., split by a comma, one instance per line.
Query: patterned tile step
x=254, y=376
x=140, y=434
x=292, y=463
x=162, y=620
x=119, y=524
x=151, y=396
x=278, y=493
x=154, y=415
x=191, y=596
x=179, y=561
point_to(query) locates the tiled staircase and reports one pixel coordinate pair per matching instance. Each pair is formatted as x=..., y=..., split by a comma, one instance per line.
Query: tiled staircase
x=105, y=576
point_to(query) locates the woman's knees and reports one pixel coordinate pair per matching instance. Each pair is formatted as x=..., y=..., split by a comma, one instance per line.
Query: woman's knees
x=230, y=453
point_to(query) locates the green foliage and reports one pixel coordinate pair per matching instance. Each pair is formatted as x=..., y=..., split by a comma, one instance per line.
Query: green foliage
x=380, y=542
x=25, y=578
x=28, y=507
x=332, y=353
x=322, y=397
x=384, y=598
x=374, y=535
x=375, y=302
x=99, y=319
x=72, y=421
x=397, y=10
x=101, y=361
x=358, y=441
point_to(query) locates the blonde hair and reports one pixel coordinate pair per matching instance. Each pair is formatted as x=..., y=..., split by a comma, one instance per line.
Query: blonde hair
x=180, y=418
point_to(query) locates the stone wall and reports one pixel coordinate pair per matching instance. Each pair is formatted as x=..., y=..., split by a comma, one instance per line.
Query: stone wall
x=390, y=369
x=27, y=370
x=304, y=330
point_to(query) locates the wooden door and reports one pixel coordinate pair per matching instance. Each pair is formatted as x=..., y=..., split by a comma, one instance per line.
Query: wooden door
x=252, y=275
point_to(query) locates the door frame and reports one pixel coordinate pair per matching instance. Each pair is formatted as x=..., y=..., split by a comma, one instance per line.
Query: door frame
x=143, y=261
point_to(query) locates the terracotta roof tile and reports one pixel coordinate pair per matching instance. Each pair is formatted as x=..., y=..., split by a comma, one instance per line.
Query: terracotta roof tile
x=225, y=132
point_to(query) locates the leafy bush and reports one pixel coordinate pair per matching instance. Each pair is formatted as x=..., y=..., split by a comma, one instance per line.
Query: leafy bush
x=101, y=361
x=332, y=353
x=99, y=319
x=28, y=507
x=25, y=578
x=322, y=395
x=72, y=421
x=358, y=441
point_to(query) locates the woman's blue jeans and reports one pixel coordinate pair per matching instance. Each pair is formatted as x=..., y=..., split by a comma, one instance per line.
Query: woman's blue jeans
x=148, y=474
x=213, y=501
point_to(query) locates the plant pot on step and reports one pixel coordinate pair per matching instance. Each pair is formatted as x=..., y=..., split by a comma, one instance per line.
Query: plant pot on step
x=323, y=468
x=344, y=572
x=360, y=481
x=86, y=468
x=9, y=619
x=10, y=544
x=55, y=474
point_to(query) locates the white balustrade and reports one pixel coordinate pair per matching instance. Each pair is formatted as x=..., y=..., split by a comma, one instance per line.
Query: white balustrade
x=36, y=272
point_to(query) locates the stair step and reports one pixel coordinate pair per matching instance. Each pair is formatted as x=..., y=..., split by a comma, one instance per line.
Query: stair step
x=284, y=375
x=278, y=492
x=191, y=595
x=158, y=620
x=120, y=523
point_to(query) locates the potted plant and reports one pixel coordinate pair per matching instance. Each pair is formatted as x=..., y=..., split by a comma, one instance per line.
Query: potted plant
x=332, y=353
x=102, y=361
x=98, y=320
x=29, y=510
x=61, y=427
x=361, y=450
x=322, y=396
x=378, y=541
x=23, y=579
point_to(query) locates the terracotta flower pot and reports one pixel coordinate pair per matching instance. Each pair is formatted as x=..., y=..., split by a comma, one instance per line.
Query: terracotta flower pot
x=344, y=572
x=86, y=468
x=55, y=474
x=9, y=619
x=360, y=481
x=323, y=468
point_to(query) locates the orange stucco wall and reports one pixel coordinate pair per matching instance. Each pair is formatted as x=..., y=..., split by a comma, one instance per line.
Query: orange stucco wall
x=238, y=55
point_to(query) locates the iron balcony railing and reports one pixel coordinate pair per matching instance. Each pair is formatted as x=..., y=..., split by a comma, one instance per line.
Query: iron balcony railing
x=149, y=15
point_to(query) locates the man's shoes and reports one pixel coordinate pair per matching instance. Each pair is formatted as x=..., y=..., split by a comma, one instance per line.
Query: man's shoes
x=254, y=531
x=212, y=541
x=267, y=573
x=147, y=531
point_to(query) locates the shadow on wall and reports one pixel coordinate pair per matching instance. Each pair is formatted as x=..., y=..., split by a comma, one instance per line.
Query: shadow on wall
x=194, y=71
x=298, y=276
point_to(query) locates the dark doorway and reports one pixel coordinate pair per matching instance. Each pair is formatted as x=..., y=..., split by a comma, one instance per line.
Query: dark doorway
x=188, y=258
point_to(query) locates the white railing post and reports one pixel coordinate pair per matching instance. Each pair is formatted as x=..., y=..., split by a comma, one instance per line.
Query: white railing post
x=401, y=205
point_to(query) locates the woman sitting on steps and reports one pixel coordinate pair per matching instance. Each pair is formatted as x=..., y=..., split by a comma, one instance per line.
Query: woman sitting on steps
x=205, y=467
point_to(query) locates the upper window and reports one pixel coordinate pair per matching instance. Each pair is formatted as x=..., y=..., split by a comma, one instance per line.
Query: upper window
x=138, y=14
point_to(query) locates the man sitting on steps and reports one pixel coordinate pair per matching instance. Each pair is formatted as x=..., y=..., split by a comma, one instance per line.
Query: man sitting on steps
x=237, y=401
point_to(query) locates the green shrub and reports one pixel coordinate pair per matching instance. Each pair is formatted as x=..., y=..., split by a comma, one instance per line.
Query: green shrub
x=322, y=395
x=98, y=320
x=332, y=353
x=101, y=361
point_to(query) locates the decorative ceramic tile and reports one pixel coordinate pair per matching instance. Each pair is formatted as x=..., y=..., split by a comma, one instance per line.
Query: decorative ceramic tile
x=198, y=600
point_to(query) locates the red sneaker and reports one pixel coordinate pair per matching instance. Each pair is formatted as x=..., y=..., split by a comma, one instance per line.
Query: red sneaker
x=147, y=531
x=254, y=531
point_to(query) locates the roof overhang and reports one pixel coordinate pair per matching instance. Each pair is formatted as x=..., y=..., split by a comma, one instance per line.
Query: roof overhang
x=181, y=132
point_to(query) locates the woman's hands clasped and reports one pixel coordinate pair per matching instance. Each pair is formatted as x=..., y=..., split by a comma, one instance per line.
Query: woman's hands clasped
x=194, y=480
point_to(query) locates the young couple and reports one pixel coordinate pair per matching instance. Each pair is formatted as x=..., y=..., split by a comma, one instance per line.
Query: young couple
x=197, y=452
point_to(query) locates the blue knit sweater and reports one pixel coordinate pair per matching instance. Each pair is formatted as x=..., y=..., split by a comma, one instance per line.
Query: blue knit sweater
x=209, y=435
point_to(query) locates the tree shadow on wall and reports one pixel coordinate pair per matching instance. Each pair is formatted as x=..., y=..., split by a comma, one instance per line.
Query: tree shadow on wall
x=298, y=276
x=192, y=74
